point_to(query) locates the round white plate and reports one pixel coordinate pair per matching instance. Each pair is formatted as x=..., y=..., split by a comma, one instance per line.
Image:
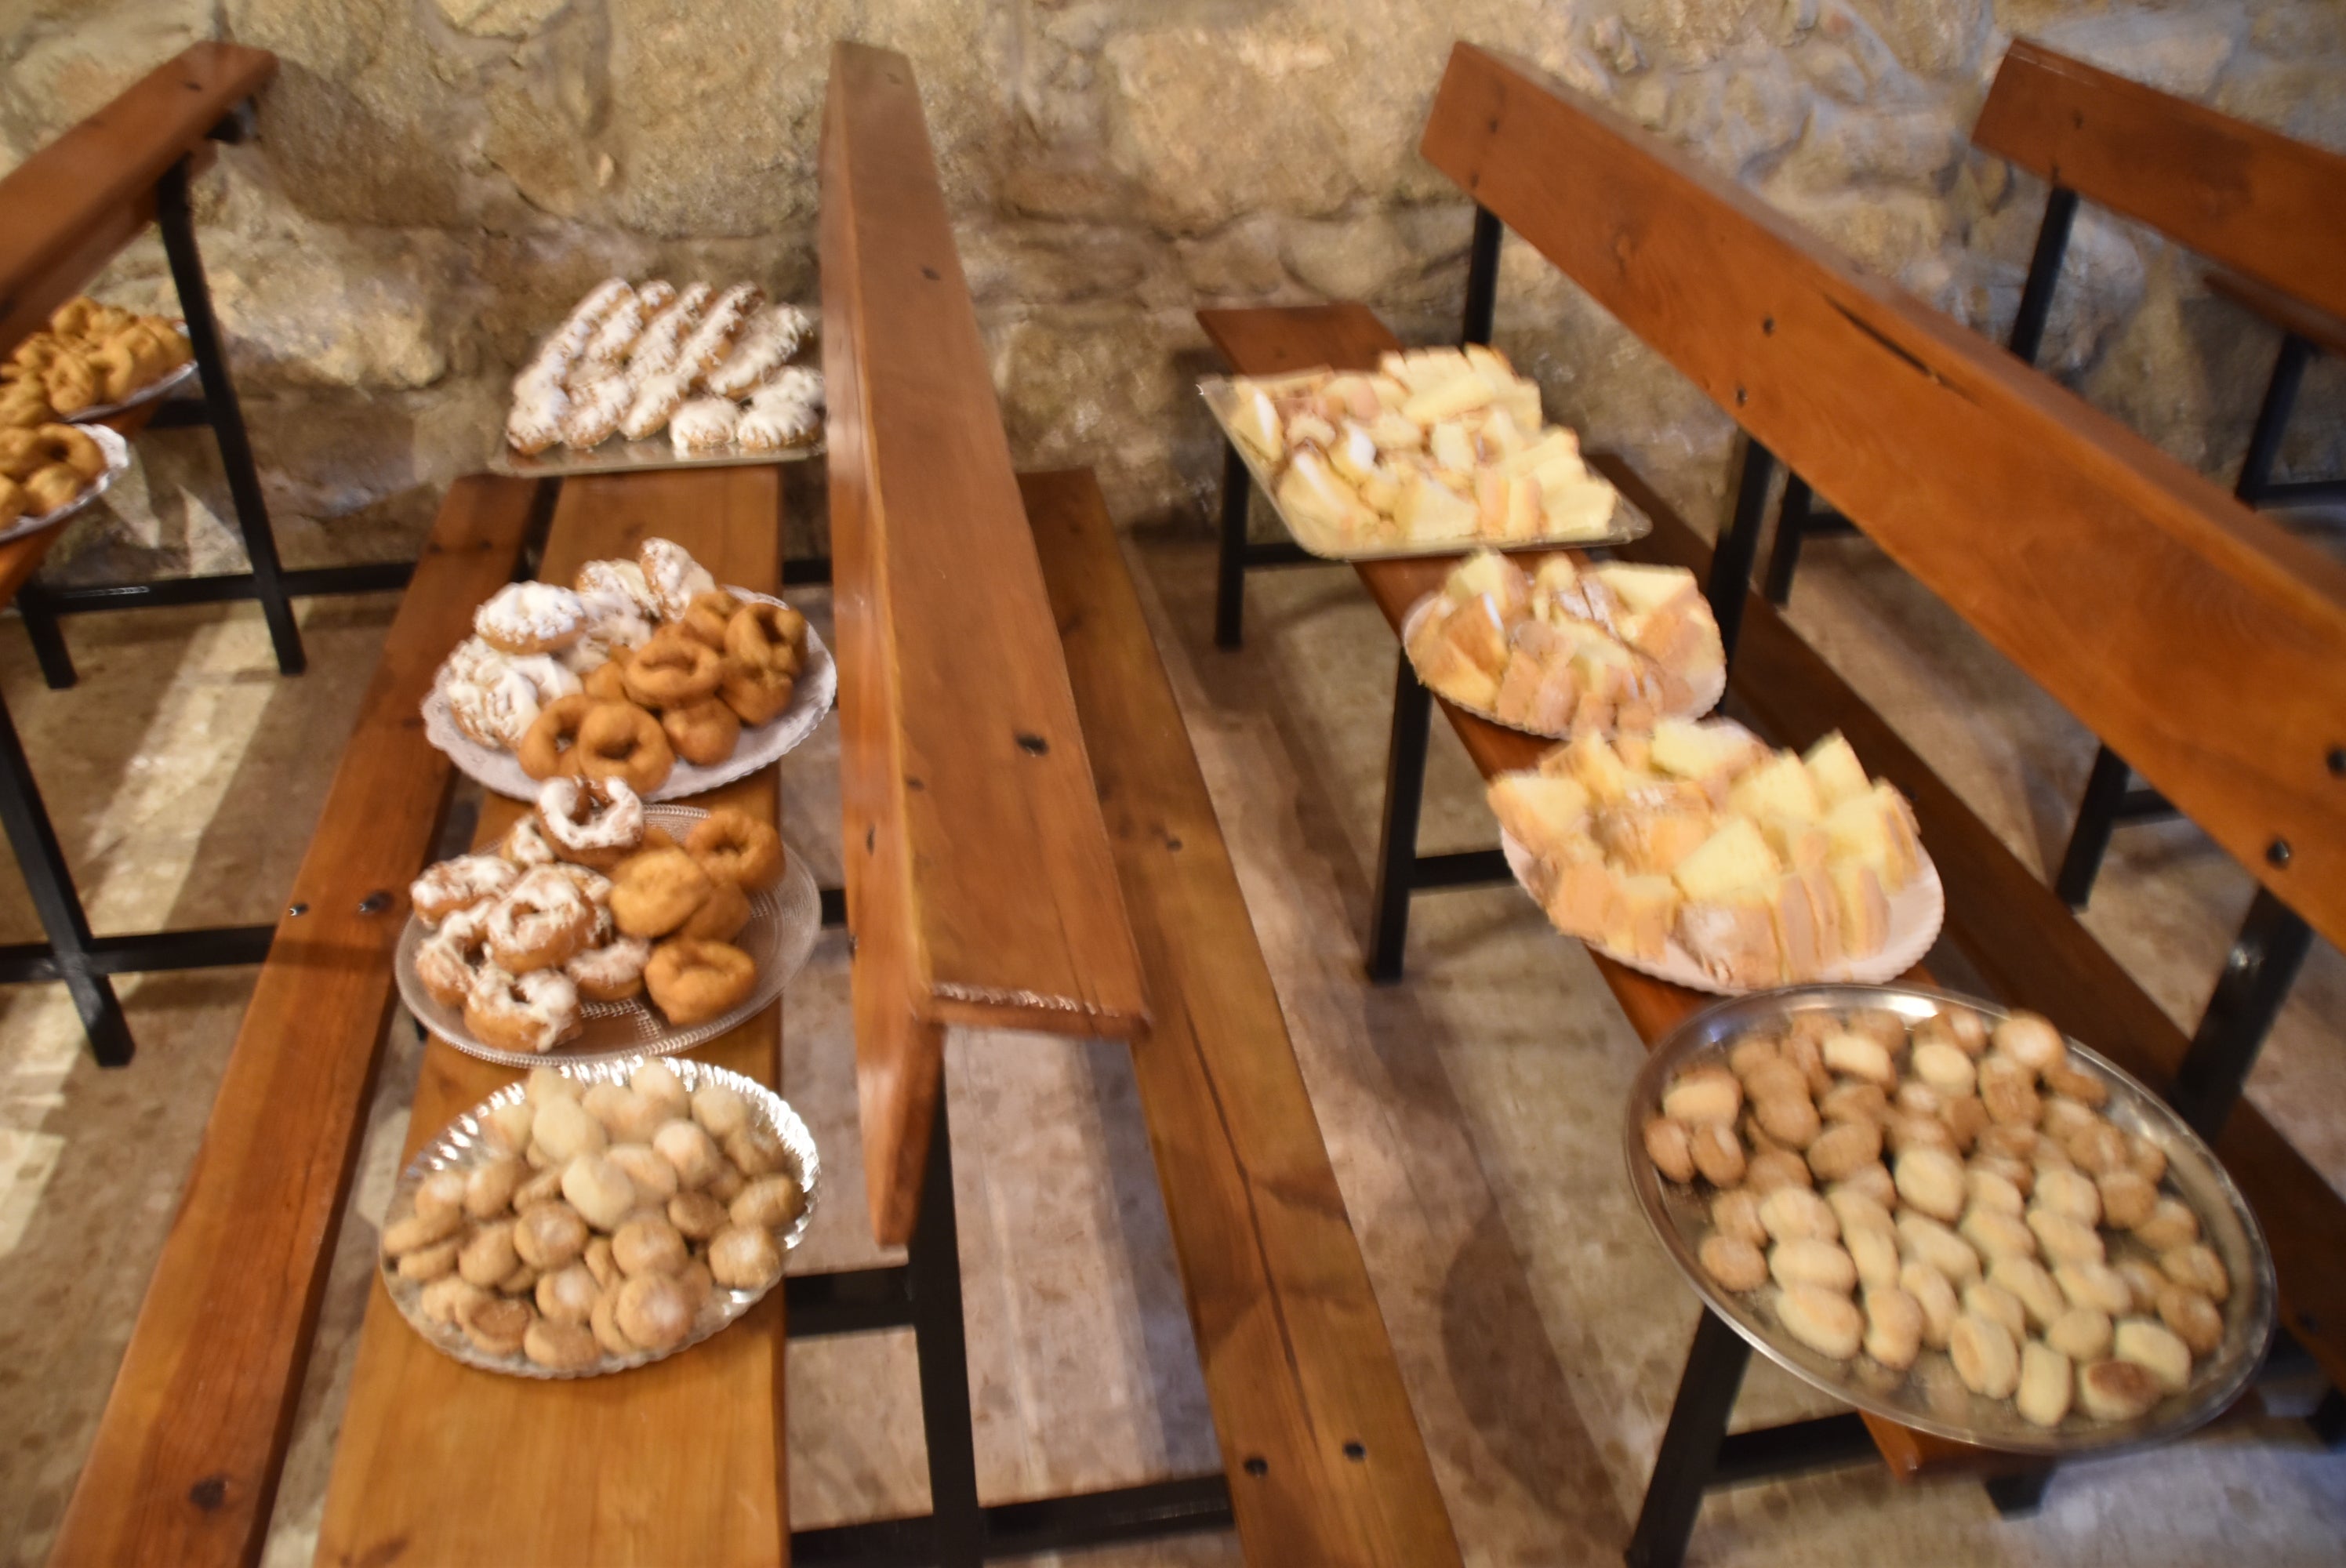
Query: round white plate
x=463, y=1144
x=1916, y=912
x=765, y=744
x=784, y=920
x=1706, y=697
x=117, y=460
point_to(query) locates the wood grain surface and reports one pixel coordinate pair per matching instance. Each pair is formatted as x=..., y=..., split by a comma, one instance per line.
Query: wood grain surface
x=75, y=202
x=1299, y=1368
x=2202, y=641
x=2268, y=208
x=681, y=1462
x=981, y=889
x=185, y=1464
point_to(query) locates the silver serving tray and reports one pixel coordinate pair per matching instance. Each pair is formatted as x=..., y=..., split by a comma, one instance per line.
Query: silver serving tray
x=1928, y=1395
x=784, y=920
x=117, y=461
x=1221, y=401
x=462, y=1145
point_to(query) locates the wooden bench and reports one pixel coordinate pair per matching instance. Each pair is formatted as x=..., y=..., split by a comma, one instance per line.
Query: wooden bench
x=64, y=213
x=1813, y=358
x=1029, y=851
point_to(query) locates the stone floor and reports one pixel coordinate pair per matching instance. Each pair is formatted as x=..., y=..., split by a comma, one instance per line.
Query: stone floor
x=1471, y=1112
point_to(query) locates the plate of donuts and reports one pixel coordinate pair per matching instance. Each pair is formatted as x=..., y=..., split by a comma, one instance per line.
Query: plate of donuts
x=598, y=1217
x=162, y=386
x=51, y=456
x=644, y=669
x=1952, y=1215
x=599, y=929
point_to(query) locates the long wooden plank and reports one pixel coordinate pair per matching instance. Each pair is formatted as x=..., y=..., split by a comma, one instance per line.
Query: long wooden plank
x=681, y=1461
x=2320, y=328
x=185, y=1464
x=73, y=204
x=979, y=884
x=2202, y=641
x=2268, y=208
x=1299, y=1368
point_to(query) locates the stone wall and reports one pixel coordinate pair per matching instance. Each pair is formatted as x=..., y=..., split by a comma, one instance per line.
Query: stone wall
x=435, y=180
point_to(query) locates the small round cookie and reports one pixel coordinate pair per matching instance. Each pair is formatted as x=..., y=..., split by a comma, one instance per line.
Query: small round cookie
x=1930, y=1292
x=496, y=1324
x=1805, y=1261
x=1737, y=1214
x=1825, y=1321
x=653, y=1311
x=1790, y=1120
x=489, y=1255
x=1733, y=1261
x=1931, y=1180
x=697, y=1216
x=2171, y=1224
x=599, y=1190
x=2027, y=1282
x=1793, y=1214
x=2194, y=1266
x=531, y=618
x=2192, y=1318
x=2082, y=1334
x=1701, y=1095
x=2127, y=1199
x=2117, y=1390
x=550, y=1236
x=1986, y=1357
x=1875, y=1253
x=2008, y=1090
x=1859, y=1056
x=2156, y=1349
x=1893, y=1327
x=489, y=1187
x=1997, y=1305
x=655, y=1179
x=1718, y=1152
x=1926, y=1239
x=744, y=1257
x=2064, y=1239
x=1995, y=1234
x=2046, y=1381
x=560, y=1346
x=2030, y=1040
x=648, y=1246
x=772, y=1201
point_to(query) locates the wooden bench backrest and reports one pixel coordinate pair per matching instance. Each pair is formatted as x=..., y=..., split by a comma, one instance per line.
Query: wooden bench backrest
x=980, y=886
x=2204, y=644
x=2268, y=208
x=75, y=202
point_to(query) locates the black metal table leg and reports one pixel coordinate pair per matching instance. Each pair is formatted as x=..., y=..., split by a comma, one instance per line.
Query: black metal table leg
x=2098, y=815
x=1791, y=527
x=2044, y=274
x=48, y=637
x=1229, y=578
x=1690, y=1444
x=1413, y=721
x=1483, y=276
x=50, y=882
x=933, y=1265
x=2021, y=1493
x=177, y=225
x=2272, y=419
x=1730, y=561
x=2257, y=973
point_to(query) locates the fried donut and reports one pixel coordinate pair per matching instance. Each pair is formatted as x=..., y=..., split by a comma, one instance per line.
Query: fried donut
x=657, y=891
x=726, y=911
x=593, y=823
x=74, y=447
x=449, y=962
x=465, y=883
x=671, y=670
x=673, y=576
x=732, y=844
x=607, y=681
x=693, y=981
x=47, y=489
x=531, y=618
x=70, y=383
x=706, y=617
x=759, y=695
x=534, y=1011
x=767, y=636
x=117, y=371
x=540, y=923
x=620, y=740
x=612, y=973
x=744, y=1257
x=703, y=733
x=526, y=845
x=549, y=747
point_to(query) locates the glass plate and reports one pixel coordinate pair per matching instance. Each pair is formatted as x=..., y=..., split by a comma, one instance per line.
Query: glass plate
x=1928, y=1395
x=117, y=460
x=1221, y=401
x=462, y=1145
x=784, y=920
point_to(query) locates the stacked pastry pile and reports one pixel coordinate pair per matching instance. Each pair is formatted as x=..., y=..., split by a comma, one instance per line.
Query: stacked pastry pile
x=1571, y=650
x=92, y=355
x=1434, y=446
x=707, y=366
x=1764, y=866
x=639, y=662
x=600, y=1220
x=2016, y=1226
x=46, y=467
x=583, y=900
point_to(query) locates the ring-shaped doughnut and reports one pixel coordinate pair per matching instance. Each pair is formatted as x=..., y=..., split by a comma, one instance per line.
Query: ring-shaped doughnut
x=534, y=1011
x=21, y=451
x=620, y=740
x=465, y=883
x=767, y=636
x=607, y=681
x=693, y=981
x=451, y=960
x=654, y=892
x=593, y=823
x=70, y=383
x=612, y=973
x=671, y=670
x=722, y=915
x=732, y=844
x=704, y=733
x=52, y=487
x=758, y=696
x=550, y=748
x=540, y=923
x=75, y=449
x=706, y=617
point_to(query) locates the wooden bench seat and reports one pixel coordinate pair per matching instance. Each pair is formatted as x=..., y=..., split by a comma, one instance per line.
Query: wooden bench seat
x=184, y=1467
x=1325, y=1461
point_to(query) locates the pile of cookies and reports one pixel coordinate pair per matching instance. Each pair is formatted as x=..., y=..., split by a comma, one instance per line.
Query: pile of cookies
x=708, y=367
x=582, y=900
x=2014, y=1225
x=46, y=467
x=91, y=356
x=1571, y=649
x=600, y=1220
x=637, y=664
x=1434, y=446
x=1765, y=867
